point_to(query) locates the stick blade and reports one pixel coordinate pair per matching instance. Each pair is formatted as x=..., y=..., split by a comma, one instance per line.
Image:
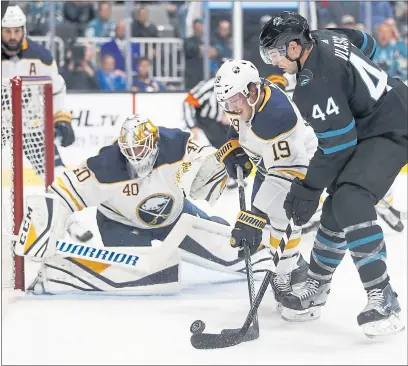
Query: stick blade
x=228, y=338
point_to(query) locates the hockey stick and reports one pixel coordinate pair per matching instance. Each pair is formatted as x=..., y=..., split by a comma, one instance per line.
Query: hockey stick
x=232, y=337
x=399, y=214
x=247, y=253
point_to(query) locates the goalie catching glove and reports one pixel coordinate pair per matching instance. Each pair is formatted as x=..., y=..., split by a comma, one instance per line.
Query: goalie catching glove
x=248, y=227
x=202, y=177
x=233, y=155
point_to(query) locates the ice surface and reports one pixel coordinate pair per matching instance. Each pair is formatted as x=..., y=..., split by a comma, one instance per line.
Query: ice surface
x=117, y=330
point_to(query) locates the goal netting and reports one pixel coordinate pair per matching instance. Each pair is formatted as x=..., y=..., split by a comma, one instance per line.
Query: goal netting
x=27, y=149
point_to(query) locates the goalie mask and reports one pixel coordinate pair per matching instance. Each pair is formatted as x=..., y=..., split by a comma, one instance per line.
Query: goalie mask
x=232, y=88
x=138, y=142
x=13, y=29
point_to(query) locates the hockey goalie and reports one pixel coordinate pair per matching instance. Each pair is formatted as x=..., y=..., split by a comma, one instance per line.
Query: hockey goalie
x=142, y=186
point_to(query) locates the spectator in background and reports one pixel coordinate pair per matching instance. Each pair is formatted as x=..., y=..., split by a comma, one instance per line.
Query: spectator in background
x=109, y=78
x=102, y=25
x=177, y=13
x=80, y=13
x=333, y=12
x=381, y=12
x=385, y=56
x=79, y=73
x=117, y=48
x=141, y=25
x=401, y=55
x=142, y=82
x=38, y=15
x=401, y=15
x=348, y=21
x=193, y=51
x=221, y=41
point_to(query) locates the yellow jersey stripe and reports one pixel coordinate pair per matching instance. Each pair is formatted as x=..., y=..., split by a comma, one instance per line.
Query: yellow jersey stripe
x=290, y=245
x=61, y=184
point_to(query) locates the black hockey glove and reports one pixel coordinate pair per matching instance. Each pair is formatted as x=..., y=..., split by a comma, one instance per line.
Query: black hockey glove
x=248, y=227
x=65, y=131
x=233, y=155
x=301, y=202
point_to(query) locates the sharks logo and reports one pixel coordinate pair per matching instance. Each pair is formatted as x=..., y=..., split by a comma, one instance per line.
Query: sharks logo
x=305, y=77
x=155, y=209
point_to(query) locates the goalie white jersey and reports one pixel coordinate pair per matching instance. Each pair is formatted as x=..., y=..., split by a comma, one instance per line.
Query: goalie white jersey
x=105, y=181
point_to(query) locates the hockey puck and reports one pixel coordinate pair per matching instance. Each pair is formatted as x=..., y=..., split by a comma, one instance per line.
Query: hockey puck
x=197, y=327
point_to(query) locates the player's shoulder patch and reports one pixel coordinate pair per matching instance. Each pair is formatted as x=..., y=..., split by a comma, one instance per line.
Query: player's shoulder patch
x=36, y=51
x=172, y=145
x=109, y=166
x=276, y=115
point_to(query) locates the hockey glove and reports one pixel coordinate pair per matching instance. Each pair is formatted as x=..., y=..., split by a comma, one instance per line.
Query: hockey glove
x=301, y=202
x=248, y=227
x=63, y=128
x=233, y=155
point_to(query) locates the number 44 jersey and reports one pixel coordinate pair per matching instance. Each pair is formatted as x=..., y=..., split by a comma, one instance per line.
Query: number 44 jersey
x=346, y=98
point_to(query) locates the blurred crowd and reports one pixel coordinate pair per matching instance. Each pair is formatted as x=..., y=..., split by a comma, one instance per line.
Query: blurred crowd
x=96, y=65
x=389, y=22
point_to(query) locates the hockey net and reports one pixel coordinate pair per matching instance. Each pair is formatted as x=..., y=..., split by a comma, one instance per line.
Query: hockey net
x=27, y=149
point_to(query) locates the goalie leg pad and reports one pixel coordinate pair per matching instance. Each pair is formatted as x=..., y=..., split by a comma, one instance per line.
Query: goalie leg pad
x=43, y=224
x=206, y=244
x=78, y=276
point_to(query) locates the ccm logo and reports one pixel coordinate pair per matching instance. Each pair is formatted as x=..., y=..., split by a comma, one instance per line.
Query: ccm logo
x=25, y=226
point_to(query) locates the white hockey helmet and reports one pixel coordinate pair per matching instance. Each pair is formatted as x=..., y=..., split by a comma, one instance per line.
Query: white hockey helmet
x=138, y=142
x=14, y=18
x=234, y=77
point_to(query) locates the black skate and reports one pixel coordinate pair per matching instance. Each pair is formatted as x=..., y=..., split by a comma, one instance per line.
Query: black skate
x=282, y=284
x=305, y=303
x=381, y=317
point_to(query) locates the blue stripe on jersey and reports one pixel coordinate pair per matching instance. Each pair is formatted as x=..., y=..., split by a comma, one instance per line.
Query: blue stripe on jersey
x=330, y=243
x=341, y=131
x=327, y=260
x=370, y=259
x=338, y=147
x=373, y=51
x=363, y=47
x=368, y=239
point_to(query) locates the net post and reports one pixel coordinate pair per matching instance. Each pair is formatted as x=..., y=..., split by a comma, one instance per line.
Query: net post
x=18, y=194
x=48, y=135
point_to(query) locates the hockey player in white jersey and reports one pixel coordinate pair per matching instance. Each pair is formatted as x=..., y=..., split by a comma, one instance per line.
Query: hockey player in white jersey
x=20, y=56
x=269, y=131
x=139, y=185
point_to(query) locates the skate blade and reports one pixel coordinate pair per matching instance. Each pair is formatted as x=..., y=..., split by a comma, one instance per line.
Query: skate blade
x=279, y=308
x=297, y=316
x=384, y=327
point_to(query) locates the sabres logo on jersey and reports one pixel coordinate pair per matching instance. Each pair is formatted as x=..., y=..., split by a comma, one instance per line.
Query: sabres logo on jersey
x=155, y=209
